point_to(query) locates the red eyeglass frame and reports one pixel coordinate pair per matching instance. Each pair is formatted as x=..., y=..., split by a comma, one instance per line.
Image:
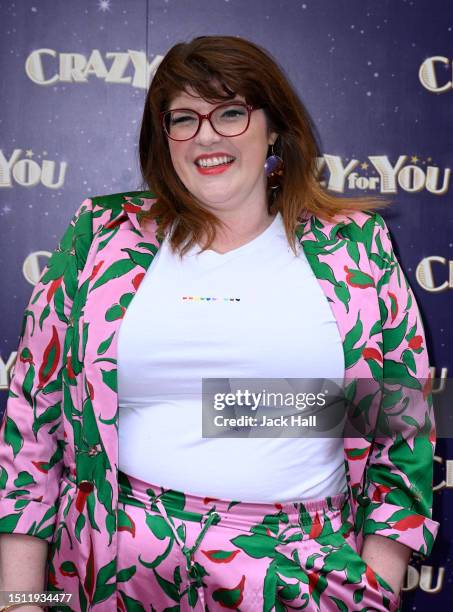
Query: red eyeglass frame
x=250, y=108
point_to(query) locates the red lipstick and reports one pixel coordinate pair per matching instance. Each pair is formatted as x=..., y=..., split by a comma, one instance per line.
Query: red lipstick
x=217, y=169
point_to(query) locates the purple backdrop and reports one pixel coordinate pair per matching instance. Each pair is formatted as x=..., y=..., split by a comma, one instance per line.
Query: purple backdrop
x=376, y=78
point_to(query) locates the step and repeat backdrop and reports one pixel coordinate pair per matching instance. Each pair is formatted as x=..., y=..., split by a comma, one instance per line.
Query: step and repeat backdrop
x=376, y=77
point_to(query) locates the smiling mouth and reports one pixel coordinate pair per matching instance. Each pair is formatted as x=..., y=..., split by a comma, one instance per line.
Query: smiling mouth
x=214, y=161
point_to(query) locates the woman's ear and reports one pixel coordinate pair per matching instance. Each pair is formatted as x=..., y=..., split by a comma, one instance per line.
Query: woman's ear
x=272, y=138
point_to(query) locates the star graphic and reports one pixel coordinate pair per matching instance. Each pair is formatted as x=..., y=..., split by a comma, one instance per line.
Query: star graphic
x=364, y=166
x=104, y=5
x=414, y=159
x=29, y=153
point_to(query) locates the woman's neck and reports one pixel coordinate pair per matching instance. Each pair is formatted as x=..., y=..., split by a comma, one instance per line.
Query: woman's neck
x=239, y=234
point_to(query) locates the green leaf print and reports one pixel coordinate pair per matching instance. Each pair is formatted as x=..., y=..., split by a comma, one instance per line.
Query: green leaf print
x=428, y=538
x=104, y=592
x=257, y=546
x=339, y=603
x=322, y=270
x=82, y=598
x=192, y=596
x=173, y=501
x=59, y=299
x=27, y=313
x=91, y=504
x=13, y=436
x=68, y=568
x=106, y=573
x=83, y=235
x=391, y=397
x=8, y=523
x=383, y=311
x=353, y=252
x=148, y=246
x=393, y=337
x=126, y=574
x=158, y=560
x=23, y=479
x=357, y=278
x=3, y=477
x=51, y=414
x=343, y=294
x=110, y=379
x=408, y=358
x=105, y=344
x=411, y=333
x=80, y=524
x=110, y=233
x=384, y=280
x=57, y=265
x=117, y=269
x=131, y=604
x=44, y=314
x=230, y=598
x=36, y=298
x=113, y=313
x=141, y=259
x=408, y=461
x=399, y=372
x=269, y=588
x=362, y=234
x=169, y=588
x=159, y=526
x=28, y=383
x=354, y=334
x=345, y=559
x=126, y=299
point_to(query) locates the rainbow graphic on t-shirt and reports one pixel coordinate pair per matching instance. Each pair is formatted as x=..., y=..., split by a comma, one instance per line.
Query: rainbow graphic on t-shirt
x=199, y=298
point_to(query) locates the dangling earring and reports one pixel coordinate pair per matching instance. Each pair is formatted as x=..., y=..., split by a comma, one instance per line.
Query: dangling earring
x=274, y=169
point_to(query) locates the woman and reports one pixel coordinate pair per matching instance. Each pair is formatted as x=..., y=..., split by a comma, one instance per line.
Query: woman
x=259, y=273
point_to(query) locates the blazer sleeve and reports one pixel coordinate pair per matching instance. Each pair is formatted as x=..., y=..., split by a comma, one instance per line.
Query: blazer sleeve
x=31, y=434
x=400, y=471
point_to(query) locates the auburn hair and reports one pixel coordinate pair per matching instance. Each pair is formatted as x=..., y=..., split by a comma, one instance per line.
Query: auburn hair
x=218, y=68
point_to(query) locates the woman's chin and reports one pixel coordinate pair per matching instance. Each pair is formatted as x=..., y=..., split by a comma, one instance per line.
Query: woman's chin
x=214, y=199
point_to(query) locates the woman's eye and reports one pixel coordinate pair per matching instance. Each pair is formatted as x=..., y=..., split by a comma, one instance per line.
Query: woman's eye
x=233, y=113
x=181, y=119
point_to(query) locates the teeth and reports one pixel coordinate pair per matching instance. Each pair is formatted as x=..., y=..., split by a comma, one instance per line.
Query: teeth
x=213, y=161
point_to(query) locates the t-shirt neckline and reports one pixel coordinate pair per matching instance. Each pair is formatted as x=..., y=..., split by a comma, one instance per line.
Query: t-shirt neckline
x=263, y=236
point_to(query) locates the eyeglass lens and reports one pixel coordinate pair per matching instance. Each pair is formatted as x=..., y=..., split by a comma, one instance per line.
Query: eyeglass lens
x=228, y=120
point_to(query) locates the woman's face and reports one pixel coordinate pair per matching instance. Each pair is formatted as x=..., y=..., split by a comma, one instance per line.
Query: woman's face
x=243, y=182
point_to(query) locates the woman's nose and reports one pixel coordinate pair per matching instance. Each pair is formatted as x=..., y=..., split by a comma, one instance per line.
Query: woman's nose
x=206, y=133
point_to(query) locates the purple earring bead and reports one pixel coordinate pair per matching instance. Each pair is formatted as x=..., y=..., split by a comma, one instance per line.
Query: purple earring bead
x=273, y=163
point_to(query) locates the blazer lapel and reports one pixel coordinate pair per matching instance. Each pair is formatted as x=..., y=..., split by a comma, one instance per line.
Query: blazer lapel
x=339, y=259
x=335, y=261
x=120, y=255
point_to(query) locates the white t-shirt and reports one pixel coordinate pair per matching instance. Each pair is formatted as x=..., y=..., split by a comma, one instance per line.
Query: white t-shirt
x=256, y=311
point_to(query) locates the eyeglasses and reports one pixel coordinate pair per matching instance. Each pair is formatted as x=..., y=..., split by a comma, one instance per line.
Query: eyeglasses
x=229, y=119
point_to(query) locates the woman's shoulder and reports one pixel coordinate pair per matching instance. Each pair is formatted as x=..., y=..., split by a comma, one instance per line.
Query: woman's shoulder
x=358, y=218
x=109, y=208
x=139, y=200
x=356, y=225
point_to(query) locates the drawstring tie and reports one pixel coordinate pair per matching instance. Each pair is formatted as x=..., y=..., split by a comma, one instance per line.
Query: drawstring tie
x=194, y=570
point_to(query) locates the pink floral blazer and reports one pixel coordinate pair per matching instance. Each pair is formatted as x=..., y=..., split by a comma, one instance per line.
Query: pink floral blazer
x=59, y=434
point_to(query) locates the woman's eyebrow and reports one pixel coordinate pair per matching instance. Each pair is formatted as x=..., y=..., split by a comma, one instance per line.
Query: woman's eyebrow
x=188, y=105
